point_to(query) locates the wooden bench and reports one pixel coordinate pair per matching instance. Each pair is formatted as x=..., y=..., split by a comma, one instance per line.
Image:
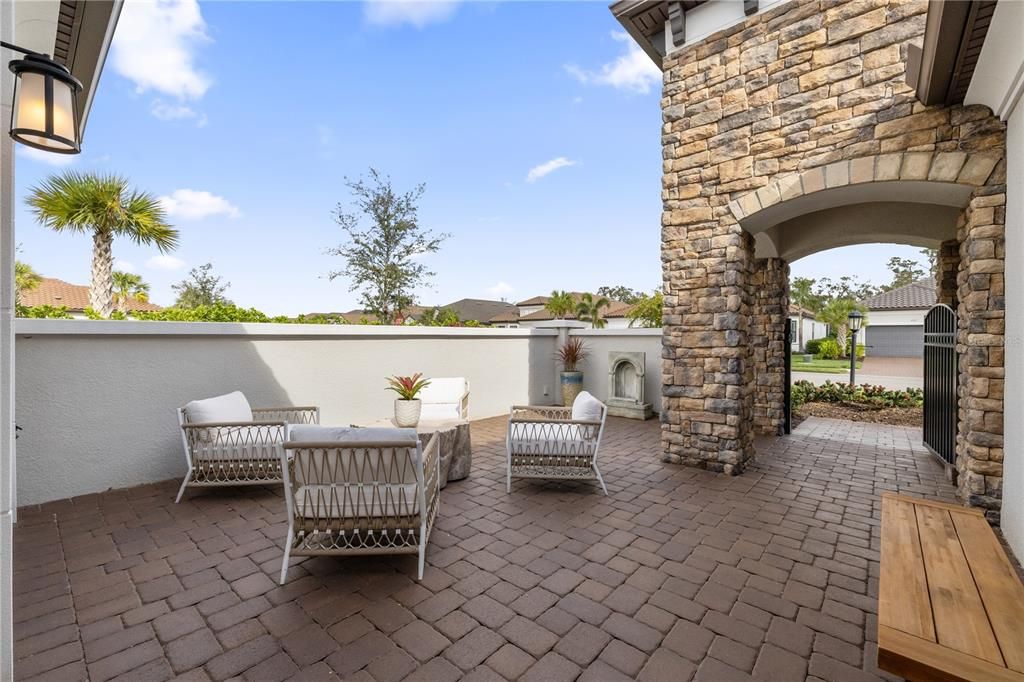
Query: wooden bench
x=950, y=605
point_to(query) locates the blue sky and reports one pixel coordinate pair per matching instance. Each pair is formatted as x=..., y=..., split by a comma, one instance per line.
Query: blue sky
x=535, y=126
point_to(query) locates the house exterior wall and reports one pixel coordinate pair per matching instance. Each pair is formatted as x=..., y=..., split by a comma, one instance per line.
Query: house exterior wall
x=812, y=329
x=805, y=98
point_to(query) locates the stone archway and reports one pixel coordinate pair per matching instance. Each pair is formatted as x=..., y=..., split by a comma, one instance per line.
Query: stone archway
x=774, y=128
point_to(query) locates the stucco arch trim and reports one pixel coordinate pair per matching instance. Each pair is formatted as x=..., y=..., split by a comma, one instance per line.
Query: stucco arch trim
x=946, y=178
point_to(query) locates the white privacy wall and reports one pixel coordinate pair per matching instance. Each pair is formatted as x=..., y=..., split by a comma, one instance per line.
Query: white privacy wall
x=96, y=400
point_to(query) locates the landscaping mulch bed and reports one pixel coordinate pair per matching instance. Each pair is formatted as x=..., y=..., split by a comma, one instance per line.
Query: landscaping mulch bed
x=895, y=416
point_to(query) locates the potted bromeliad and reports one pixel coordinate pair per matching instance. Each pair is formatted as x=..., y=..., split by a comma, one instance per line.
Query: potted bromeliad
x=407, y=405
x=571, y=354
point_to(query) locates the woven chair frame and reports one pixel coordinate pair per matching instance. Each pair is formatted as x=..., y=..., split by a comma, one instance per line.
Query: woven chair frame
x=360, y=498
x=545, y=442
x=238, y=453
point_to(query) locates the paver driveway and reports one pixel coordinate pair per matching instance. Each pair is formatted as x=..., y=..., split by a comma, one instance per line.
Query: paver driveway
x=677, y=574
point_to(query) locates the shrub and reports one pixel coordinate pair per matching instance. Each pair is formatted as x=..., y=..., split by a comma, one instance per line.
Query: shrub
x=813, y=346
x=49, y=312
x=860, y=351
x=829, y=349
x=866, y=394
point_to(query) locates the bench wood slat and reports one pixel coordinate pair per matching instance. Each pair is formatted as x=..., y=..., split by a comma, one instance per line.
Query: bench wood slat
x=918, y=659
x=901, y=547
x=960, y=619
x=1000, y=589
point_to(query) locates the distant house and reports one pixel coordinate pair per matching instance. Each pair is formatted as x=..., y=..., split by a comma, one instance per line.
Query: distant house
x=895, y=326
x=532, y=313
x=75, y=297
x=479, y=309
x=803, y=327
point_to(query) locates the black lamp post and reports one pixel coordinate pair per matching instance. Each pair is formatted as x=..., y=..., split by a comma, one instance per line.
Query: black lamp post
x=45, y=113
x=855, y=320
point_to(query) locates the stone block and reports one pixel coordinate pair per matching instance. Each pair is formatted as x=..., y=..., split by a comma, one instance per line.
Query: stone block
x=856, y=26
x=946, y=166
x=862, y=170
x=977, y=168
x=837, y=174
x=915, y=166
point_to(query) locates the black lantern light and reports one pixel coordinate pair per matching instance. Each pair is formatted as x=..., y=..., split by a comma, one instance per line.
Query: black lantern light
x=45, y=113
x=855, y=320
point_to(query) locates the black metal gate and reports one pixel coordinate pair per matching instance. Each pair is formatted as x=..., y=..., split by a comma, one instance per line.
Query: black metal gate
x=787, y=387
x=940, y=382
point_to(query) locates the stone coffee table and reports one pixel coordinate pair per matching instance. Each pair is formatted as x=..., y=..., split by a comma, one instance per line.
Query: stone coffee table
x=453, y=444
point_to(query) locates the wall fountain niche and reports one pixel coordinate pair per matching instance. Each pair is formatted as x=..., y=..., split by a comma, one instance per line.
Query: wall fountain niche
x=626, y=385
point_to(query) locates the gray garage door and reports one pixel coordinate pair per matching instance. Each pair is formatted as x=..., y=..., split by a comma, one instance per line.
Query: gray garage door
x=896, y=342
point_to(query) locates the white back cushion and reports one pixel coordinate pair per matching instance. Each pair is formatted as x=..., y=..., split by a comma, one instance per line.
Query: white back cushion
x=586, y=408
x=444, y=390
x=232, y=407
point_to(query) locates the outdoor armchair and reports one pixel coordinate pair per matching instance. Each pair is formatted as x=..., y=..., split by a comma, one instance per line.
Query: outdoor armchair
x=353, y=491
x=556, y=442
x=445, y=398
x=228, y=443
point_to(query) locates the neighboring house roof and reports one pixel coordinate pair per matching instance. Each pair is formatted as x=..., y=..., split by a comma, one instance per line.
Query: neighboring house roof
x=914, y=296
x=479, y=309
x=536, y=300
x=358, y=315
x=797, y=310
x=74, y=297
x=615, y=309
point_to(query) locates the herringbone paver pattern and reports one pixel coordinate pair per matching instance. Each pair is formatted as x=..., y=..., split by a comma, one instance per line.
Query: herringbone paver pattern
x=678, y=574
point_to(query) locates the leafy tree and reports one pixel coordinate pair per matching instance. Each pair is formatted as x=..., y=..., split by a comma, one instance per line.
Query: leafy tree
x=589, y=310
x=845, y=287
x=931, y=257
x=201, y=288
x=621, y=293
x=904, y=271
x=439, y=317
x=836, y=313
x=25, y=279
x=560, y=304
x=646, y=311
x=380, y=259
x=43, y=312
x=127, y=287
x=103, y=206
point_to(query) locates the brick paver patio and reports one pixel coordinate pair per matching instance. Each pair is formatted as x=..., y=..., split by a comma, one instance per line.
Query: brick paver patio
x=679, y=574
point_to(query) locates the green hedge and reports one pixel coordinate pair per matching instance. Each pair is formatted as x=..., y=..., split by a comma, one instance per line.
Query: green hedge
x=877, y=396
x=813, y=346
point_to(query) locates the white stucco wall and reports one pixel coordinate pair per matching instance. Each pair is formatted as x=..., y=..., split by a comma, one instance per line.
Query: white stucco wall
x=891, y=318
x=602, y=341
x=1013, y=424
x=97, y=400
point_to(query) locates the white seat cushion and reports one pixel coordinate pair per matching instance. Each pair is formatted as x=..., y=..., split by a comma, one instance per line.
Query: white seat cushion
x=307, y=433
x=232, y=407
x=587, y=408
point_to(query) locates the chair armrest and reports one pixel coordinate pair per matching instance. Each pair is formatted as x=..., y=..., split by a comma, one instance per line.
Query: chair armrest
x=541, y=413
x=309, y=414
x=431, y=465
x=224, y=425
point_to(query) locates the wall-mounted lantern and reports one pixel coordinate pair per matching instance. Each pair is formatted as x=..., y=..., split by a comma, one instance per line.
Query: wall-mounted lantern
x=45, y=113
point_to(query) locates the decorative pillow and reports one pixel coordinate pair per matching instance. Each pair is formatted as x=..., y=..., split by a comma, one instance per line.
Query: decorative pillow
x=232, y=407
x=586, y=408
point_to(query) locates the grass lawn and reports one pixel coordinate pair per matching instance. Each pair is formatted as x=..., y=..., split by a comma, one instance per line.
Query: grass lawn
x=821, y=366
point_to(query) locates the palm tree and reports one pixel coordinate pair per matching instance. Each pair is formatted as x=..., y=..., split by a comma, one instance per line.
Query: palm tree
x=104, y=206
x=127, y=287
x=25, y=279
x=560, y=304
x=836, y=315
x=589, y=310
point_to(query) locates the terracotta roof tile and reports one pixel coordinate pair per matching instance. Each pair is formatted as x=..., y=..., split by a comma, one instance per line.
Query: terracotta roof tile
x=914, y=296
x=75, y=297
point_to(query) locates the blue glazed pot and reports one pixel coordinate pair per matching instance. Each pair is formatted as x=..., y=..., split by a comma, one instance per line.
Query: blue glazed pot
x=572, y=384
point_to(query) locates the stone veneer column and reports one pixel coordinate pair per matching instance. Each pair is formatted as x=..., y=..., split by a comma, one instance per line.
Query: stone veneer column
x=769, y=285
x=981, y=317
x=706, y=373
x=948, y=267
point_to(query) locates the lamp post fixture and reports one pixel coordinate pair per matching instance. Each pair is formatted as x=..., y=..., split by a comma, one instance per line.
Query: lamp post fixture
x=45, y=112
x=855, y=320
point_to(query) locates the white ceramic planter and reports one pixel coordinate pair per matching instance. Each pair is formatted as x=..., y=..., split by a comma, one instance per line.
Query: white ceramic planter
x=407, y=412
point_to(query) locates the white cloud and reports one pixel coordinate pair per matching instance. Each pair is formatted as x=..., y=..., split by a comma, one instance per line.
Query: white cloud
x=501, y=289
x=538, y=172
x=165, y=262
x=49, y=158
x=325, y=134
x=169, y=111
x=418, y=13
x=633, y=71
x=125, y=266
x=193, y=204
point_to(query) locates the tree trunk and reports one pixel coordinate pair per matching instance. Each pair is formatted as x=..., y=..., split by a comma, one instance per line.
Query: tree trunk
x=101, y=289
